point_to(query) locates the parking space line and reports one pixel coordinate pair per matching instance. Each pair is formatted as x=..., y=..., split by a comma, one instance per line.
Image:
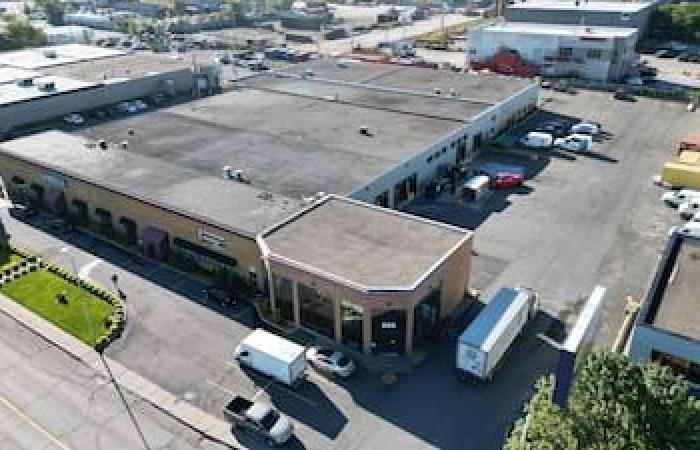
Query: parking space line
x=33, y=423
x=220, y=387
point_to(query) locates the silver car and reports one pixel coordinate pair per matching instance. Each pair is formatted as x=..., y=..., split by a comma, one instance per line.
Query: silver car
x=330, y=361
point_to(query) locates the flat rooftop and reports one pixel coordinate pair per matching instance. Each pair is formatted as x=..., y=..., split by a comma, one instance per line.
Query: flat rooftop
x=229, y=205
x=288, y=144
x=11, y=93
x=588, y=6
x=121, y=66
x=481, y=88
x=55, y=55
x=679, y=305
x=363, y=245
x=560, y=30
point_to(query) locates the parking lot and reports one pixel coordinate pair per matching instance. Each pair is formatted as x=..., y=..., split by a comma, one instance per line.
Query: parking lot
x=580, y=220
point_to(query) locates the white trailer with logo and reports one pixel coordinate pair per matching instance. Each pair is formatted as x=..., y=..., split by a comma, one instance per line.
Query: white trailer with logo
x=484, y=342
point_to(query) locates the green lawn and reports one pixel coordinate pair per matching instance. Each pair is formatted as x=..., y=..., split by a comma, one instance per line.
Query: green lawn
x=7, y=258
x=37, y=291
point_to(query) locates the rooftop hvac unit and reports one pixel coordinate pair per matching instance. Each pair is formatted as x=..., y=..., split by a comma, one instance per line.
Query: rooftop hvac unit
x=102, y=144
x=25, y=82
x=50, y=53
x=364, y=130
x=453, y=93
x=46, y=86
x=226, y=172
x=130, y=131
x=437, y=91
x=125, y=145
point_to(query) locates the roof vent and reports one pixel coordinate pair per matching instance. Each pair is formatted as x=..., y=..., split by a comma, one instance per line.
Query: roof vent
x=453, y=93
x=130, y=131
x=437, y=91
x=265, y=195
x=25, y=82
x=50, y=53
x=364, y=130
x=589, y=30
x=102, y=144
x=125, y=145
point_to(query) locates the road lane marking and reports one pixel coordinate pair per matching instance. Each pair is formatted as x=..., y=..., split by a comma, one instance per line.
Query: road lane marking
x=33, y=424
x=220, y=387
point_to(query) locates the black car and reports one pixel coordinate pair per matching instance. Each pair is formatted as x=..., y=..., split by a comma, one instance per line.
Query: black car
x=20, y=211
x=667, y=53
x=556, y=129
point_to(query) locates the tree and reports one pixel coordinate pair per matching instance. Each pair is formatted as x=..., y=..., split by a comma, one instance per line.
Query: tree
x=21, y=34
x=614, y=405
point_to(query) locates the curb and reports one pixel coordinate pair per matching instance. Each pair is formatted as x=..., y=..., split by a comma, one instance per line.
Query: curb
x=116, y=373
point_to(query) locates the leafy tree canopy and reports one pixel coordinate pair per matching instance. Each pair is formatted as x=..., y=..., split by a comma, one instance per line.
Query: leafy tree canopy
x=614, y=405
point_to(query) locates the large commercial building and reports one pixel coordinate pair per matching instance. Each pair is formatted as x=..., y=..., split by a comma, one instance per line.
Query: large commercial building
x=241, y=181
x=583, y=13
x=667, y=329
x=596, y=53
x=42, y=84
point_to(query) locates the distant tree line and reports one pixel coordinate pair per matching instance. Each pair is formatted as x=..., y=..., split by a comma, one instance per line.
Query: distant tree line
x=678, y=22
x=20, y=34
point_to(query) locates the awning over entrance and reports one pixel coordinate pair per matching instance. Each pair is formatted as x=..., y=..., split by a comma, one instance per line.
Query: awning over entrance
x=55, y=201
x=155, y=242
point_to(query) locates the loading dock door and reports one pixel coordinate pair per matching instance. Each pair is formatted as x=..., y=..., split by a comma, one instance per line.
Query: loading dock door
x=389, y=332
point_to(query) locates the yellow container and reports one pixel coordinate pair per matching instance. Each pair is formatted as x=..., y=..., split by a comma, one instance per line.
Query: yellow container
x=681, y=175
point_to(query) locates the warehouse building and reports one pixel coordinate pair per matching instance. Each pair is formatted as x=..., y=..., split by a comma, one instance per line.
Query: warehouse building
x=583, y=13
x=596, y=53
x=241, y=181
x=42, y=84
x=667, y=329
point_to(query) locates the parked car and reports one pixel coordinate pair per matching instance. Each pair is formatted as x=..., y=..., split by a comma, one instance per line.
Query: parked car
x=623, y=94
x=140, y=104
x=260, y=418
x=537, y=139
x=689, y=208
x=676, y=198
x=588, y=128
x=690, y=228
x=689, y=56
x=126, y=108
x=505, y=180
x=21, y=211
x=667, y=53
x=575, y=142
x=330, y=361
x=556, y=129
x=74, y=119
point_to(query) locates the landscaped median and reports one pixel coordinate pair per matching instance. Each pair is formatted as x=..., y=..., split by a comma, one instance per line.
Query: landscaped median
x=92, y=314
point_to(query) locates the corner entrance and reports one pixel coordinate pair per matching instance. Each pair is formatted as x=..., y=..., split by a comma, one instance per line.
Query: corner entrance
x=389, y=332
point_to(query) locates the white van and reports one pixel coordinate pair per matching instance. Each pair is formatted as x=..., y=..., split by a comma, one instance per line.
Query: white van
x=575, y=142
x=272, y=355
x=537, y=139
x=676, y=198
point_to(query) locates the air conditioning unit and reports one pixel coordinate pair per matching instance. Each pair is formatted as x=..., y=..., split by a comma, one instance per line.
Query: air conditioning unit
x=50, y=53
x=25, y=82
x=46, y=86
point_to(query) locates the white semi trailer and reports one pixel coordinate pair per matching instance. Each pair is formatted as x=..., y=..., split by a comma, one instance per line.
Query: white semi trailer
x=484, y=342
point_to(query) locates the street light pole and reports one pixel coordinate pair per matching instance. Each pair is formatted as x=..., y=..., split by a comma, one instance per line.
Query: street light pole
x=91, y=330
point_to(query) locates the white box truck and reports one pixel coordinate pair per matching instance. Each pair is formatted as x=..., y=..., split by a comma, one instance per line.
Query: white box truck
x=272, y=355
x=484, y=342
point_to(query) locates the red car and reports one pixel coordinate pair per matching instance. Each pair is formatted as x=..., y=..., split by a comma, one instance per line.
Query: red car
x=505, y=180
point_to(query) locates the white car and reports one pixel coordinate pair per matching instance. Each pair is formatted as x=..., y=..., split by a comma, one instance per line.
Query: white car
x=330, y=361
x=688, y=209
x=588, y=128
x=74, y=119
x=140, y=104
x=127, y=108
x=689, y=229
x=537, y=139
x=575, y=142
x=676, y=198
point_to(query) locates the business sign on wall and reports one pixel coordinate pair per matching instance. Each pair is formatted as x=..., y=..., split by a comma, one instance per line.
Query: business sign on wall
x=211, y=239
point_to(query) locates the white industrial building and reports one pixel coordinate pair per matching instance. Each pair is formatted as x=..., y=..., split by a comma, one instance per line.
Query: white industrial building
x=596, y=53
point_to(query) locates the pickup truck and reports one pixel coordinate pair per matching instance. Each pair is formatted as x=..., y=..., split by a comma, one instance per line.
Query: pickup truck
x=260, y=418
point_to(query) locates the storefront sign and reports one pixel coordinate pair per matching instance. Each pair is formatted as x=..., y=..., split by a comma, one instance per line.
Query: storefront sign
x=211, y=239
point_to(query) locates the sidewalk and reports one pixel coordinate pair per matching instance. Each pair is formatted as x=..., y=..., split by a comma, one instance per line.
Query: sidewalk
x=206, y=424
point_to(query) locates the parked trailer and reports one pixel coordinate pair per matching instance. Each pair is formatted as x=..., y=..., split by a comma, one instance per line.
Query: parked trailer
x=681, y=175
x=484, y=342
x=272, y=355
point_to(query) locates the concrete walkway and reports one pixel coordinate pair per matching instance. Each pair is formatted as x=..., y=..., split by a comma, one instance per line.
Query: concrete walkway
x=206, y=424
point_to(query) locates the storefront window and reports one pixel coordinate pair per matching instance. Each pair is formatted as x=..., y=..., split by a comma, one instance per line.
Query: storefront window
x=316, y=311
x=284, y=297
x=352, y=316
x=426, y=316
